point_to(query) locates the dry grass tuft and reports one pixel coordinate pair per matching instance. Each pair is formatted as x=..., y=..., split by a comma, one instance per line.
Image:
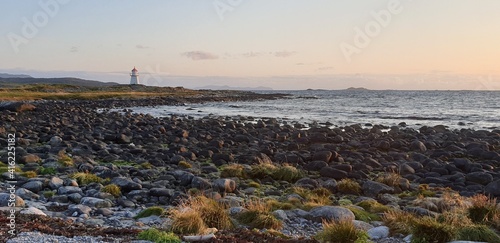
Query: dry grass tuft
x=258, y=215
x=349, y=186
x=341, y=232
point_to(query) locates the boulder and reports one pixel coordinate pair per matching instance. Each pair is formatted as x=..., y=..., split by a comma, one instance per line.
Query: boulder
x=6, y=200
x=331, y=213
x=373, y=188
x=55, y=183
x=34, y=186
x=33, y=210
x=224, y=185
x=482, y=178
x=333, y=173
x=68, y=190
x=16, y=106
x=493, y=188
x=96, y=202
x=126, y=184
x=378, y=232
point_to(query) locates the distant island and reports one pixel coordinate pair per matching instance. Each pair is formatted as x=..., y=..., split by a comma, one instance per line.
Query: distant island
x=357, y=89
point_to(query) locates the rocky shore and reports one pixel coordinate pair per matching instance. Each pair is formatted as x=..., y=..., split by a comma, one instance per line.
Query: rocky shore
x=81, y=172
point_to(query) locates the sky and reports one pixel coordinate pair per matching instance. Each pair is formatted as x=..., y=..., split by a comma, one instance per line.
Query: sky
x=280, y=44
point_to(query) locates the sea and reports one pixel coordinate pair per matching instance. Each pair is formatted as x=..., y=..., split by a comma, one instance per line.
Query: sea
x=478, y=110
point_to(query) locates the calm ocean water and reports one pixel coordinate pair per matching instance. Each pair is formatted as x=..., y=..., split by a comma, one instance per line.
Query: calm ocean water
x=456, y=109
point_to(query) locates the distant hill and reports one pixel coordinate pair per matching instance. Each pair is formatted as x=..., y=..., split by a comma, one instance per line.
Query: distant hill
x=6, y=75
x=226, y=87
x=13, y=81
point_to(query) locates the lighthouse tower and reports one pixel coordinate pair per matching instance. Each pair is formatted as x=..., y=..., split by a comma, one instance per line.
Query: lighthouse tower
x=134, y=76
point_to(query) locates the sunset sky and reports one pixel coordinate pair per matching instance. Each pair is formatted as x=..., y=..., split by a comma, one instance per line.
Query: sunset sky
x=282, y=44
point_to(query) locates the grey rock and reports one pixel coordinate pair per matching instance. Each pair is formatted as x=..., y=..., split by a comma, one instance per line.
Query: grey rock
x=26, y=194
x=378, y=232
x=224, y=185
x=6, y=199
x=75, y=197
x=79, y=209
x=161, y=192
x=280, y=214
x=126, y=184
x=493, y=188
x=34, y=186
x=373, y=188
x=200, y=183
x=55, y=183
x=68, y=190
x=333, y=173
x=96, y=202
x=33, y=210
x=334, y=213
x=482, y=178
x=55, y=141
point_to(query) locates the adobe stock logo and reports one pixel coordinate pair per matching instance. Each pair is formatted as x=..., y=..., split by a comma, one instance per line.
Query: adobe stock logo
x=364, y=36
x=40, y=19
x=224, y=6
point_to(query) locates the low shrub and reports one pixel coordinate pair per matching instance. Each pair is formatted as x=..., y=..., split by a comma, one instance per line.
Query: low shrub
x=341, y=232
x=155, y=210
x=157, y=236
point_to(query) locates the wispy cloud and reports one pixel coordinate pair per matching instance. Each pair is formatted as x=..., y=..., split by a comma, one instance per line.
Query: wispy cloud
x=284, y=53
x=200, y=55
x=73, y=49
x=252, y=54
x=142, y=47
x=325, y=68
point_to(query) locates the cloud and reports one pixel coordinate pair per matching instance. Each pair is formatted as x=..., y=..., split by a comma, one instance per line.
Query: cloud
x=284, y=53
x=200, y=55
x=252, y=54
x=324, y=68
x=142, y=47
x=73, y=49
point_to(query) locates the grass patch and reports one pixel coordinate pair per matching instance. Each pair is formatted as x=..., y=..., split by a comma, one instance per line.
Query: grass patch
x=158, y=236
x=390, y=179
x=49, y=194
x=373, y=206
x=47, y=171
x=184, y=165
x=155, y=210
x=29, y=174
x=262, y=170
x=112, y=189
x=85, y=178
x=313, y=198
x=259, y=216
x=349, y=186
x=202, y=212
x=275, y=205
x=428, y=229
x=399, y=222
x=481, y=233
x=483, y=210
x=363, y=215
x=64, y=160
x=232, y=170
x=287, y=173
x=341, y=232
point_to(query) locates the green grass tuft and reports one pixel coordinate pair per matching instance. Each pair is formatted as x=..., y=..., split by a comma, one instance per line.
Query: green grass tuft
x=158, y=236
x=85, y=178
x=341, y=232
x=481, y=233
x=112, y=189
x=150, y=211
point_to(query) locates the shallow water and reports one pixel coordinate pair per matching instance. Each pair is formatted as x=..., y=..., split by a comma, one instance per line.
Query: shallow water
x=475, y=109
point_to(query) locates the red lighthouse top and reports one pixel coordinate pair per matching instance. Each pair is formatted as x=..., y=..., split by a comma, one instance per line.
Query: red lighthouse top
x=134, y=70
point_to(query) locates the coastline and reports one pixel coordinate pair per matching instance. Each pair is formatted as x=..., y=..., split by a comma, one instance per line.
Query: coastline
x=465, y=161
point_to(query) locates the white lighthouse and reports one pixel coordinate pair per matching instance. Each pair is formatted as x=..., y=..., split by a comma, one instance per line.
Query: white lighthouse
x=134, y=76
